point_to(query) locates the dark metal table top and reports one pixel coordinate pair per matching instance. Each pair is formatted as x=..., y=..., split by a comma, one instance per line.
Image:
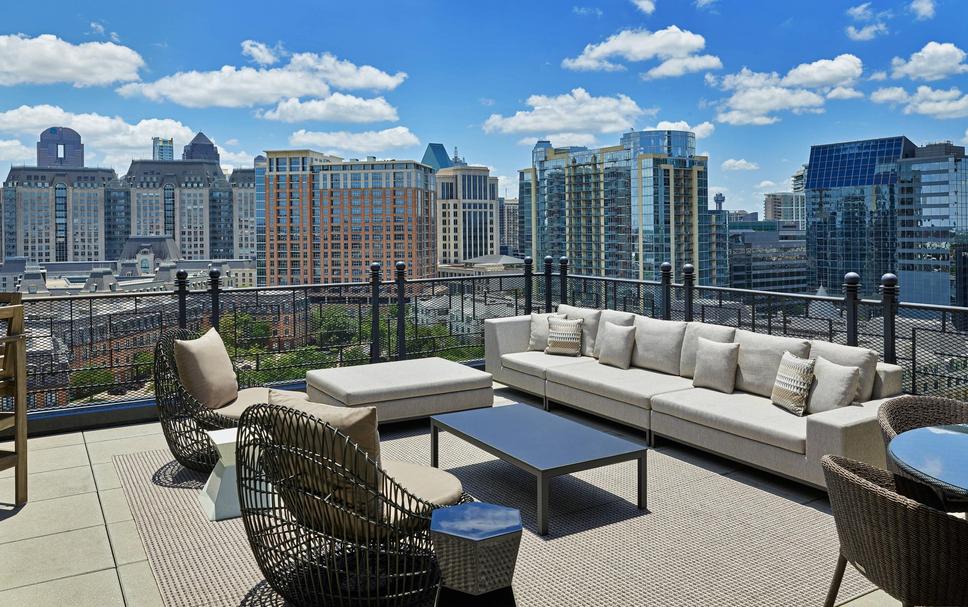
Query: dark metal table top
x=936, y=455
x=535, y=438
x=476, y=520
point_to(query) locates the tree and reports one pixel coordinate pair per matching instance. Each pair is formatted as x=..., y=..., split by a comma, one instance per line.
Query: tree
x=88, y=382
x=144, y=364
x=242, y=331
x=334, y=326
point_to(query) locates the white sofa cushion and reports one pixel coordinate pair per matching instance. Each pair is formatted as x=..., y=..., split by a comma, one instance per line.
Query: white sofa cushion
x=716, y=365
x=537, y=363
x=658, y=344
x=632, y=386
x=739, y=413
x=614, y=345
x=539, y=330
x=690, y=340
x=834, y=386
x=759, y=359
x=622, y=319
x=849, y=356
x=589, y=327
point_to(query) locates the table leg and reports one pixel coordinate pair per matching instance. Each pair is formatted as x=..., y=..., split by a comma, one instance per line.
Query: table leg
x=544, y=484
x=434, y=440
x=643, y=483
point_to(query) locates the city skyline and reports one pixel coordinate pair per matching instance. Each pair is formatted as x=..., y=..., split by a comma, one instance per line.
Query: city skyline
x=121, y=77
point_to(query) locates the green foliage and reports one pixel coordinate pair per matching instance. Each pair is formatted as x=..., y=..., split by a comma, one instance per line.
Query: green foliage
x=242, y=332
x=88, y=382
x=144, y=364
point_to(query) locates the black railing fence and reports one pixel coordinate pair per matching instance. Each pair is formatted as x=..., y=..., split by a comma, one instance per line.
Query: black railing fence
x=98, y=349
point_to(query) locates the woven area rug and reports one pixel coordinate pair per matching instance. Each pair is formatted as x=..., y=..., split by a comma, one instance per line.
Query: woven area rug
x=707, y=539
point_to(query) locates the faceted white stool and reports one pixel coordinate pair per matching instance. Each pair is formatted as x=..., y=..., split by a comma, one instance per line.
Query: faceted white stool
x=220, y=496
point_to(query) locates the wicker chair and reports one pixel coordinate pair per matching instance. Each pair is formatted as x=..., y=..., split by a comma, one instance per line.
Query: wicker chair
x=184, y=420
x=327, y=524
x=915, y=553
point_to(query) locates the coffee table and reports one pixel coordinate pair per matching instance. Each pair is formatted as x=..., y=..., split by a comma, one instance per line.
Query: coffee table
x=541, y=443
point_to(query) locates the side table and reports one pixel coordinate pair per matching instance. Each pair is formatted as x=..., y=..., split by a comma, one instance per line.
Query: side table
x=220, y=496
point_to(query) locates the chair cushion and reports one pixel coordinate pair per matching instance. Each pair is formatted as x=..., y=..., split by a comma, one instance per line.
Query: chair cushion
x=739, y=413
x=564, y=336
x=716, y=365
x=632, y=386
x=429, y=484
x=759, y=359
x=539, y=330
x=358, y=423
x=205, y=369
x=658, y=344
x=622, y=319
x=614, y=345
x=538, y=363
x=589, y=327
x=253, y=396
x=695, y=330
x=862, y=358
x=793, y=381
x=834, y=386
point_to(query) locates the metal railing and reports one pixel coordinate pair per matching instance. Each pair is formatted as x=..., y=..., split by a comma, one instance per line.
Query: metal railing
x=98, y=349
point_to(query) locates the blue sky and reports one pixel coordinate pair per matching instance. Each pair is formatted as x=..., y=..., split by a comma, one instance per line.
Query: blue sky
x=759, y=81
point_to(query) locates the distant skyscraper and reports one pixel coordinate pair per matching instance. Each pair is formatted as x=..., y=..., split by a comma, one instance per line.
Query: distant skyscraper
x=162, y=149
x=767, y=256
x=743, y=216
x=799, y=180
x=201, y=148
x=785, y=207
x=242, y=182
x=436, y=157
x=509, y=227
x=260, y=163
x=467, y=213
x=60, y=147
x=623, y=210
x=720, y=200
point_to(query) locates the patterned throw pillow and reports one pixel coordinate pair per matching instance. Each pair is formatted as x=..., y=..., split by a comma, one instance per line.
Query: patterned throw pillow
x=793, y=381
x=564, y=336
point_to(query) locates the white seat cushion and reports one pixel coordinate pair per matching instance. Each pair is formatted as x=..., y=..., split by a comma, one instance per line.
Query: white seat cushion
x=537, y=363
x=740, y=413
x=633, y=386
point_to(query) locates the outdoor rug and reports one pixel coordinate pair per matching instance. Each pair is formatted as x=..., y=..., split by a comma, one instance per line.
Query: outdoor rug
x=707, y=539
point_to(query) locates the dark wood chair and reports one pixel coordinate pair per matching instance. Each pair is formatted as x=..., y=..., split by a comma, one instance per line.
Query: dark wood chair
x=13, y=386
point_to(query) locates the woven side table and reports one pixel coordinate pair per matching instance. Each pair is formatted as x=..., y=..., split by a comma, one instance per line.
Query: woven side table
x=476, y=546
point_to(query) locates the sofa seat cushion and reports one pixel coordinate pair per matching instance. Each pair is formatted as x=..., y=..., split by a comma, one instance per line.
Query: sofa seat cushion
x=740, y=413
x=632, y=386
x=254, y=396
x=537, y=363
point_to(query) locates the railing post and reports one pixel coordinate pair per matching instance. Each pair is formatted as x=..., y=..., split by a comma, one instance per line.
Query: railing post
x=666, y=277
x=528, y=284
x=375, y=312
x=401, y=310
x=181, y=290
x=547, y=273
x=889, y=292
x=851, y=288
x=213, y=278
x=563, y=276
x=688, y=278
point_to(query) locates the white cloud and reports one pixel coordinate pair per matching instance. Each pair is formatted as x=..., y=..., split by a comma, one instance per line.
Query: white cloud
x=97, y=28
x=965, y=140
x=232, y=141
x=14, y=152
x=755, y=105
x=338, y=107
x=262, y=53
x=486, y=101
x=878, y=76
x=47, y=59
x=366, y=142
x=868, y=32
x=642, y=45
x=701, y=130
x=306, y=74
x=922, y=9
x=562, y=139
x=861, y=12
x=576, y=111
x=110, y=140
x=232, y=160
x=766, y=184
x=587, y=11
x=732, y=164
x=926, y=101
x=891, y=94
x=933, y=62
x=646, y=6
x=844, y=92
x=841, y=70
x=705, y=3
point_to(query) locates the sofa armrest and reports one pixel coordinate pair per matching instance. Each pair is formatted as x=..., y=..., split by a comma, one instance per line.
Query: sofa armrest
x=888, y=380
x=503, y=336
x=851, y=432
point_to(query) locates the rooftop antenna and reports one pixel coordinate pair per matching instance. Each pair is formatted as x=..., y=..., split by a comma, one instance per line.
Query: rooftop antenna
x=456, y=157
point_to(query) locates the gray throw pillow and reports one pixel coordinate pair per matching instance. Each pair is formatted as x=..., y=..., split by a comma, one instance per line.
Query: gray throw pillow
x=622, y=319
x=716, y=365
x=539, y=330
x=564, y=336
x=793, y=381
x=759, y=359
x=834, y=386
x=615, y=344
x=658, y=344
x=695, y=330
x=589, y=329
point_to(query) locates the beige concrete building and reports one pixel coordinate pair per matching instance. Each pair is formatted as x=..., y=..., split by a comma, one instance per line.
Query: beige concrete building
x=467, y=214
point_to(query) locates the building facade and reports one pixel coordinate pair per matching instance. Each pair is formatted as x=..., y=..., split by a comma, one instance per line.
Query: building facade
x=201, y=148
x=768, y=255
x=467, y=213
x=623, y=210
x=60, y=147
x=509, y=226
x=162, y=149
x=785, y=207
x=242, y=182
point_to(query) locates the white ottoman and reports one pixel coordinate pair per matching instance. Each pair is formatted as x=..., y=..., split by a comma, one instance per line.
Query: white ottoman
x=406, y=389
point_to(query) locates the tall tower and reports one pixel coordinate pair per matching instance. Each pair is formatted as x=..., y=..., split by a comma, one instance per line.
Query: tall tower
x=60, y=147
x=162, y=149
x=200, y=148
x=719, y=199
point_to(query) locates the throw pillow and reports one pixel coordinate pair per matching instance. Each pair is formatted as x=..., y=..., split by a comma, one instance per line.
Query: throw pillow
x=695, y=330
x=793, y=381
x=622, y=319
x=564, y=336
x=615, y=344
x=205, y=369
x=590, y=318
x=539, y=330
x=658, y=344
x=715, y=365
x=833, y=386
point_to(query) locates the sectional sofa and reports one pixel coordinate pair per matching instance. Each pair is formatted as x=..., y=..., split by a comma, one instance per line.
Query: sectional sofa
x=744, y=425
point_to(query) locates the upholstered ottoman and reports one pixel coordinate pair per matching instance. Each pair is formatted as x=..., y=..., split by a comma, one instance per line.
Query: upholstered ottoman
x=406, y=389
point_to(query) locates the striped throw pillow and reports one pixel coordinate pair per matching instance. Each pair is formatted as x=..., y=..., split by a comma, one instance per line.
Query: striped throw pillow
x=792, y=385
x=564, y=336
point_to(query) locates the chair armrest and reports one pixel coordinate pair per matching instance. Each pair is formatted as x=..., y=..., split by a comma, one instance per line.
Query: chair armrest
x=888, y=380
x=503, y=336
x=851, y=432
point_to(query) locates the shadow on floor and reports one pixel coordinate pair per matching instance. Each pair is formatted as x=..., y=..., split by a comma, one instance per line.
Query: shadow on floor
x=176, y=476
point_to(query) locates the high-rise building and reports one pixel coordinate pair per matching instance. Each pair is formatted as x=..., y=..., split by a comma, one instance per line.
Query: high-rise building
x=785, y=207
x=162, y=149
x=509, y=226
x=260, y=163
x=720, y=200
x=201, y=148
x=467, y=213
x=799, y=180
x=743, y=216
x=768, y=255
x=436, y=157
x=622, y=210
x=242, y=182
x=60, y=147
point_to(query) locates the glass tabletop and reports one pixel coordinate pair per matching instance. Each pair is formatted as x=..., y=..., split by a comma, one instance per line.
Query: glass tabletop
x=475, y=520
x=935, y=452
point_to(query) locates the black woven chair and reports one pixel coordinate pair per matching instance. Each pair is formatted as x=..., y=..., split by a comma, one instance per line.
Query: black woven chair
x=915, y=553
x=327, y=525
x=184, y=420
